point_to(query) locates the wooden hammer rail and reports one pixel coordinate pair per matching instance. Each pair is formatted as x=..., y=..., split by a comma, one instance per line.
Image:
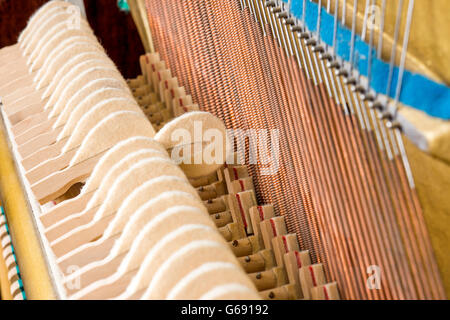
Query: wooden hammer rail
x=72, y=121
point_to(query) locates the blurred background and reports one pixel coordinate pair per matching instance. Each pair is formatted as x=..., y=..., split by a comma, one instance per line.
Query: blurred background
x=114, y=28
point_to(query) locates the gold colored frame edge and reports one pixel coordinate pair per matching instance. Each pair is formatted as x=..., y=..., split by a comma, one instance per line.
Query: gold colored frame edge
x=31, y=258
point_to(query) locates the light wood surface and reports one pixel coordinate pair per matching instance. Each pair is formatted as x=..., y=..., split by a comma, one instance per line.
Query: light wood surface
x=432, y=178
x=25, y=237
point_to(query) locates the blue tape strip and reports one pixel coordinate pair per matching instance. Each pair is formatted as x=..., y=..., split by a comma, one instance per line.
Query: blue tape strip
x=418, y=91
